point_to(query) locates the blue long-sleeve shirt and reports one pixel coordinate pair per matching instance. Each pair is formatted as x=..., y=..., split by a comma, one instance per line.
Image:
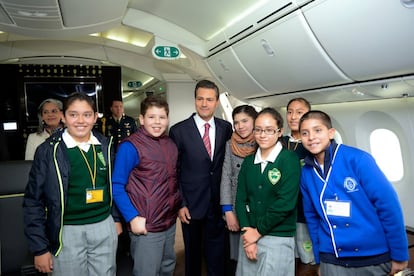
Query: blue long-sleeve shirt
x=127, y=158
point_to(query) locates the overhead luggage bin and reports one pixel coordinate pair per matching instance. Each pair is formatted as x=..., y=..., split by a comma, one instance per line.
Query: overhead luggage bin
x=367, y=39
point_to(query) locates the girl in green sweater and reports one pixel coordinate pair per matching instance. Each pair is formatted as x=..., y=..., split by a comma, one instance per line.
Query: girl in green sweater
x=266, y=198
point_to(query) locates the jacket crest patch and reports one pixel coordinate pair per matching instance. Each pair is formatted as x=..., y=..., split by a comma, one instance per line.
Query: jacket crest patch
x=101, y=158
x=350, y=185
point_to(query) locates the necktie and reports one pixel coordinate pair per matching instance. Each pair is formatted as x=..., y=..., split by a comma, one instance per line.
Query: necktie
x=206, y=139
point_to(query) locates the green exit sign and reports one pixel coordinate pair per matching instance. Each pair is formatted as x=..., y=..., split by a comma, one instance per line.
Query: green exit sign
x=134, y=84
x=166, y=52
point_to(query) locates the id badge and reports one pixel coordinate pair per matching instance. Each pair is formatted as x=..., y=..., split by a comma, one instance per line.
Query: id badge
x=338, y=208
x=94, y=195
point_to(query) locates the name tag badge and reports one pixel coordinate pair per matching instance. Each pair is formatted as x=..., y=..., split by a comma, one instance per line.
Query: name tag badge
x=338, y=208
x=94, y=195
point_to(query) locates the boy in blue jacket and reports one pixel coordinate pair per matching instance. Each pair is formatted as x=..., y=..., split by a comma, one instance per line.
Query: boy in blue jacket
x=353, y=213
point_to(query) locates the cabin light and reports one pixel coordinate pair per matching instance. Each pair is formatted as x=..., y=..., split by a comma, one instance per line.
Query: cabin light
x=268, y=49
x=408, y=3
x=24, y=13
x=32, y=14
x=357, y=92
x=117, y=38
x=39, y=14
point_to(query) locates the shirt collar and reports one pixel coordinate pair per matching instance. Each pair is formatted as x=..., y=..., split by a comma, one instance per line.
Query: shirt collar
x=200, y=122
x=71, y=143
x=271, y=157
x=293, y=139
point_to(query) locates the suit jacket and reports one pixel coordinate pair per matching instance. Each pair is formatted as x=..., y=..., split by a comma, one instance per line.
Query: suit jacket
x=198, y=176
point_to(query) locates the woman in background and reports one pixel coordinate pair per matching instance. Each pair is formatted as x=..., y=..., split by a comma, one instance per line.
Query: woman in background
x=50, y=119
x=240, y=145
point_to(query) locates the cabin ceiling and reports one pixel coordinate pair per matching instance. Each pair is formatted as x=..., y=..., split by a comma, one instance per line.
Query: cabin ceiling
x=263, y=52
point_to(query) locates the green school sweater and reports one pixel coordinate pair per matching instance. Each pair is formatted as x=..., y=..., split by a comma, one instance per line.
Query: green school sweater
x=77, y=210
x=267, y=201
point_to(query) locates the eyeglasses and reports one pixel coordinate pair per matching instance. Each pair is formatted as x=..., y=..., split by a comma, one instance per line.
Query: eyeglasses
x=267, y=131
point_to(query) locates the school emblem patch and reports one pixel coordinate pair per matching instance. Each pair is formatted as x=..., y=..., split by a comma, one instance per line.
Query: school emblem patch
x=274, y=176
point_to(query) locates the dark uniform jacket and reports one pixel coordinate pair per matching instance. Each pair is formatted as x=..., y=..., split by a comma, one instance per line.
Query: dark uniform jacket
x=46, y=193
x=118, y=130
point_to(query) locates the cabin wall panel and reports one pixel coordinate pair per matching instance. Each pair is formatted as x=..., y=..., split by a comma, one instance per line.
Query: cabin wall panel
x=180, y=97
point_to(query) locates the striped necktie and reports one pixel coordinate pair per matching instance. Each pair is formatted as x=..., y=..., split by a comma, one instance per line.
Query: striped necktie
x=206, y=139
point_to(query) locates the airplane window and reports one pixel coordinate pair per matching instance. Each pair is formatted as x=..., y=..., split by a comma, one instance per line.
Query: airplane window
x=386, y=149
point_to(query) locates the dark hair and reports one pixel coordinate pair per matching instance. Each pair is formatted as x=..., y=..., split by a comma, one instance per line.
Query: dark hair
x=78, y=96
x=316, y=114
x=273, y=112
x=116, y=100
x=248, y=109
x=58, y=103
x=156, y=101
x=302, y=100
x=206, y=84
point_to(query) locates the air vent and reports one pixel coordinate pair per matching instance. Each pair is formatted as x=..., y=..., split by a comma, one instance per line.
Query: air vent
x=241, y=32
x=217, y=46
x=44, y=15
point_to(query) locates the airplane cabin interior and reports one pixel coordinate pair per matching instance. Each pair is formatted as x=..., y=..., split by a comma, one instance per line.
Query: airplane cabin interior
x=352, y=59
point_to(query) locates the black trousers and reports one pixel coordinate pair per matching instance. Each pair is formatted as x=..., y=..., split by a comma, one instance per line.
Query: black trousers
x=206, y=236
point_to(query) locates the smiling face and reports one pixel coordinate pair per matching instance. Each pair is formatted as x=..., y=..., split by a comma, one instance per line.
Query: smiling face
x=51, y=115
x=155, y=121
x=80, y=119
x=206, y=102
x=243, y=124
x=316, y=137
x=265, y=141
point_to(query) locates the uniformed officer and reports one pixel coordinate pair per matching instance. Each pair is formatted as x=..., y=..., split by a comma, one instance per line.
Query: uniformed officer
x=118, y=124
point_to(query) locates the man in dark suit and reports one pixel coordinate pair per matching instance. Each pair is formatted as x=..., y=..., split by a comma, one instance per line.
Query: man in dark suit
x=199, y=179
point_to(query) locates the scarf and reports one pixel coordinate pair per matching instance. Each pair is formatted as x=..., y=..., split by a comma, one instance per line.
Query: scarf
x=242, y=146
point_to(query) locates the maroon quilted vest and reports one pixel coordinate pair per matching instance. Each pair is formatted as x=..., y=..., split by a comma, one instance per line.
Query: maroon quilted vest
x=152, y=185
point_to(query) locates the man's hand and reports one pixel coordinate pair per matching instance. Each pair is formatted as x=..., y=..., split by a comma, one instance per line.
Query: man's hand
x=118, y=227
x=184, y=215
